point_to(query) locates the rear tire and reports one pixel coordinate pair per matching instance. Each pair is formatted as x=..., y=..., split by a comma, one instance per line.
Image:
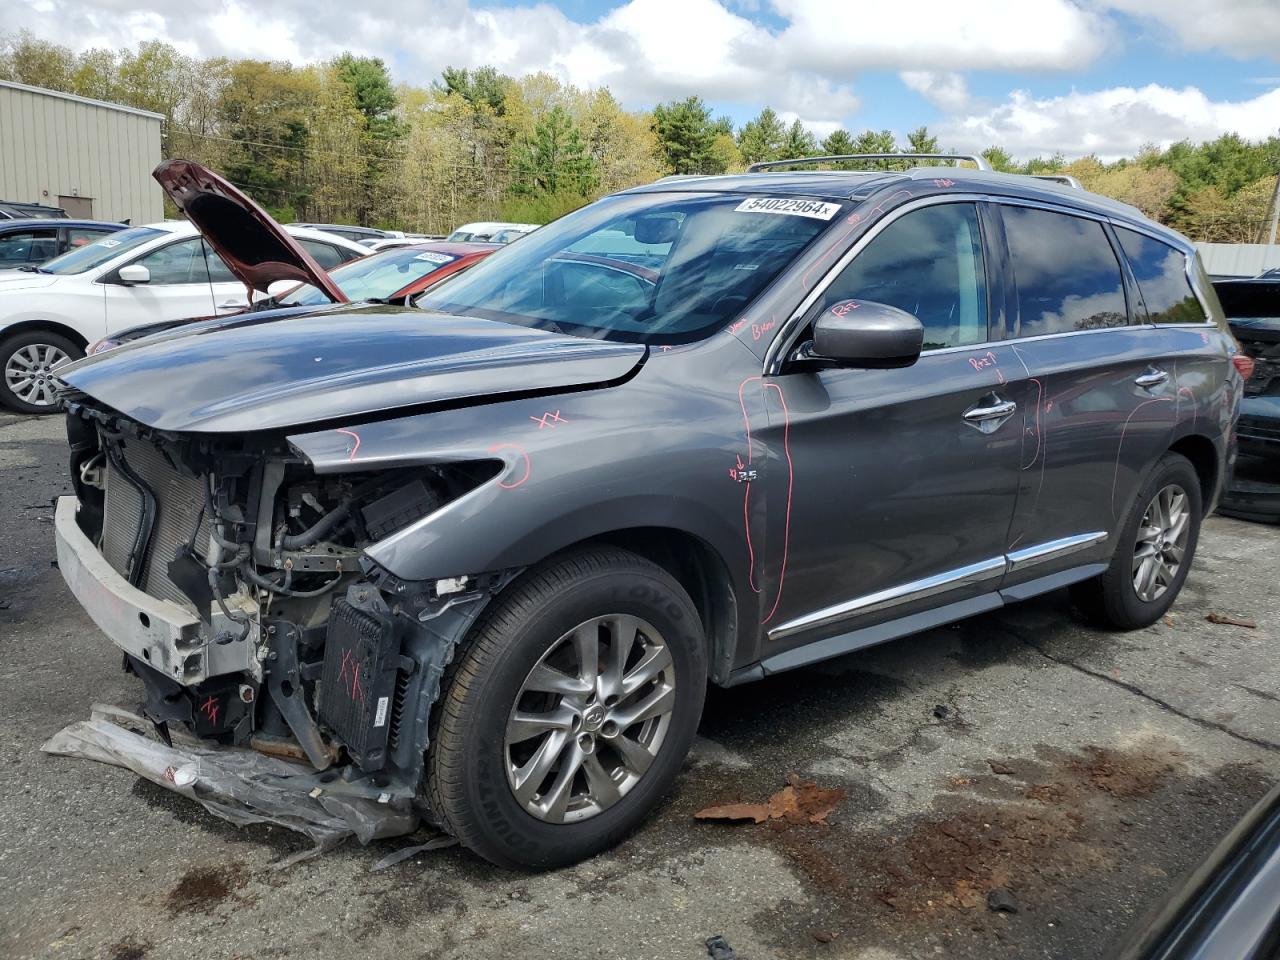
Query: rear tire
x=1153, y=552
x=27, y=362
x=527, y=797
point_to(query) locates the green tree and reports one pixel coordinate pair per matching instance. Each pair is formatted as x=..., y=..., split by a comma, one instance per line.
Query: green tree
x=799, y=142
x=370, y=92
x=484, y=85
x=920, y=140
x=869, y=141
x=762, y=138
x=687, y=137
x=555, y=159
x=999, y=159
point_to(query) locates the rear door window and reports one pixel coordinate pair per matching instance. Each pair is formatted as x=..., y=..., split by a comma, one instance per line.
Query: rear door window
x=28, y=246
x=929, y=263
x=325, y=254
x=1161, y=272
x=1066, y=274
x=181, y=262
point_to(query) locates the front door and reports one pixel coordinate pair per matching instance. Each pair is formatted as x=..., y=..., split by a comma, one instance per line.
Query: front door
x=178, y=288
x=891, y=491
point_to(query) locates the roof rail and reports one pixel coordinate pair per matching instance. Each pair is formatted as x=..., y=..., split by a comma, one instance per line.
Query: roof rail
x=976, y=160
x=1062, y=178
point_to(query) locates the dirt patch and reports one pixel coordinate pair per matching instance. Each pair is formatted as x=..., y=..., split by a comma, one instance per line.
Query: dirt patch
x=128, y=949
x=204, y=888
x=800, y=801
x=1128, y=775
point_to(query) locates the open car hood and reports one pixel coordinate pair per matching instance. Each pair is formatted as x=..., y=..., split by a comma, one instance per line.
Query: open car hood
x=275, y=370
x=254, y=247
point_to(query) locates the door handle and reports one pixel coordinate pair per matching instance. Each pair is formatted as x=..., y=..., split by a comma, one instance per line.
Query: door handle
x=1152, y=378
x=994, y=411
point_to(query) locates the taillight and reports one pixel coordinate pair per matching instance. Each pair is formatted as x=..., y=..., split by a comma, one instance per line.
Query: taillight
x=1244, y=363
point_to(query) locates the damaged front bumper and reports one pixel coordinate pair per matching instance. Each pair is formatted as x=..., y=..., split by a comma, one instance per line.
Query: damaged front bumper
x=165, y=636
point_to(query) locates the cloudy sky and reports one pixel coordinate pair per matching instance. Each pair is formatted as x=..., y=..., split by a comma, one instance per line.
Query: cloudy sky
x=1036, y=76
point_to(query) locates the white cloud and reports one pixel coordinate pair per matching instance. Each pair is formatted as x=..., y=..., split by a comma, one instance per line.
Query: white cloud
x=946, y=91
x=1112, y=123
x=1238, y=28
x=644, y=50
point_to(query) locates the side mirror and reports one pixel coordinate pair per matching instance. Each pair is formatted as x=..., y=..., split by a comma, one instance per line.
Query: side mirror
x=134, y=273
x=861, y=333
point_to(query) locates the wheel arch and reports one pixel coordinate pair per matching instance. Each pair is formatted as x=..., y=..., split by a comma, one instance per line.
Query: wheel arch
x=698, y=567
x=53, y=326
x=1204, y=457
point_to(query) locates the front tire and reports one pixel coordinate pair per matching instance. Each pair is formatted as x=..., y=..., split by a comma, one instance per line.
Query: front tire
x=568, y=711
x=1154, y=550
x=27, y=362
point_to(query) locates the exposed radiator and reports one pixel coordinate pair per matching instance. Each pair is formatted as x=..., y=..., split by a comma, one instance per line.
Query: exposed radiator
x=179, y=502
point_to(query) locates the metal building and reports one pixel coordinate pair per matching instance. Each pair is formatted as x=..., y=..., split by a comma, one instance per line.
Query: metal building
x=92, y=158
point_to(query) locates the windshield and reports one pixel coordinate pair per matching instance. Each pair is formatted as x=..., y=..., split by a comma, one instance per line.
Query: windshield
x=95, y=254
x=374, y=277
x=641, y=268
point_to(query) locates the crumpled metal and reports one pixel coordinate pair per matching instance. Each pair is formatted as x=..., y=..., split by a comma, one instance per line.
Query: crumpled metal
x=240, y=786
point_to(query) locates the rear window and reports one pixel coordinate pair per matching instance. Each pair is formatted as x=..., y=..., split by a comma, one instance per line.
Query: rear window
x=1161, y=272
x=1067, y=275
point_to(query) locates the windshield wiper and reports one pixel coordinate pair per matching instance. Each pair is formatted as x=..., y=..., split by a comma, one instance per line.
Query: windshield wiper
x=28, y=268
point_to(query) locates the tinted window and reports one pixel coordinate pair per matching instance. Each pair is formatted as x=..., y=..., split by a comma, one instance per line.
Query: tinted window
x=326, y=254
x=79, y=236
x=1161, y=272
x=181, y=262
x=376, y=276
x=27, y=246
x=1067, y=275
x=649, y=268
x=218, y=272
x=928, y=263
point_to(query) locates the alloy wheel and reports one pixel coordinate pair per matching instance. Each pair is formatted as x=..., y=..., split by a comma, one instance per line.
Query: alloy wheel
x=28, y=372
x=1162, y=542
x=590, y=718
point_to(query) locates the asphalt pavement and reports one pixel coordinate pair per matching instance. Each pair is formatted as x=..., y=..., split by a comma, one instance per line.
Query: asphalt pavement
x=1074, y=772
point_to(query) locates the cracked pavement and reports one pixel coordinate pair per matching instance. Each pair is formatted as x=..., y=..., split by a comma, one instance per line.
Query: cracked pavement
x=1081, y=771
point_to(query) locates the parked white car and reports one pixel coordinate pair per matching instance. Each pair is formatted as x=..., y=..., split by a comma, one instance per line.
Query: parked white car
x=484, y=230
x=163, y=271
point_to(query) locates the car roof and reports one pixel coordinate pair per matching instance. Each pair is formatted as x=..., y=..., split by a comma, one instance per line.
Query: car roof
x=26, y=223
x=307, y=233
x=859, y=185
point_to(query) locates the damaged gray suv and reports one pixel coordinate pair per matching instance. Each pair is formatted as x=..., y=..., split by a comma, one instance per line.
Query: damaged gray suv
x=477, y=560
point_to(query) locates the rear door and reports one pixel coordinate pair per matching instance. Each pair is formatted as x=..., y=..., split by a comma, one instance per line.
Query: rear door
x=178, y=288
x=1101, y=399
x=904, y=480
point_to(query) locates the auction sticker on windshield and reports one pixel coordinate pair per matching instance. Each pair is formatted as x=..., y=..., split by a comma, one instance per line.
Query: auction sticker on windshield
x=434, y=257
x=791, y=208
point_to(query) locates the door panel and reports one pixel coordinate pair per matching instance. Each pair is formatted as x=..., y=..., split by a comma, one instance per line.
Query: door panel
x=892, y=485
x=179, y=288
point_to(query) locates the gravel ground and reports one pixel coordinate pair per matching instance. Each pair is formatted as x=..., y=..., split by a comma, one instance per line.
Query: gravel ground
x=1080, y=771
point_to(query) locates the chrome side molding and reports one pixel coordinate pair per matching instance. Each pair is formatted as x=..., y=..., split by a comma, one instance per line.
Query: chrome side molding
x=971, y=575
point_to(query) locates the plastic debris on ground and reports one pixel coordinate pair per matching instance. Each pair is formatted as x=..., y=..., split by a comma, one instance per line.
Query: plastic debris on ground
x=241, y=786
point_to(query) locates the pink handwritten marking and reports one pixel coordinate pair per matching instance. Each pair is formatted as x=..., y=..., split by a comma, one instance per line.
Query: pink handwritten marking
x=786, y=534
x=844, y=308
x=1115, y=477
x=170, y=774
x=356, y=689
x=944, y=182
x=351, y=454
x=737, y=325
x=987, y=359
x=210, y=709
x=549, y=420
x=758, y=330
x=665, y=348
x=734, y=471
x=746, y=499
x=528, y=467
